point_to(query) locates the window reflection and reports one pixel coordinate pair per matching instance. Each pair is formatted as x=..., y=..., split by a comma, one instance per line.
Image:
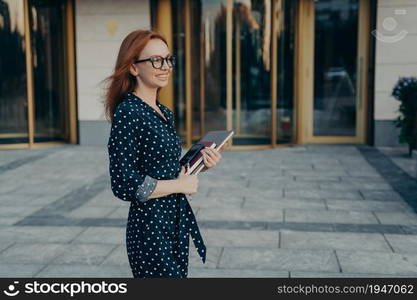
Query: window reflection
x=251, y=74
x=335, y=67
x=49, y=69
x=13, y=95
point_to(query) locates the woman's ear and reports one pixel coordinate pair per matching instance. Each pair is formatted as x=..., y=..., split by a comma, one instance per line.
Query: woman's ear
x=133, y=70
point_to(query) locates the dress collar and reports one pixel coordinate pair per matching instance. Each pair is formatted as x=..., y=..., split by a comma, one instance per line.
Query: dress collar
x=153, y=110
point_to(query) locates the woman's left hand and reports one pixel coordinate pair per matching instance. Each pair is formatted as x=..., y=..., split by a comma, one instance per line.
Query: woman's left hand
x=211, y=157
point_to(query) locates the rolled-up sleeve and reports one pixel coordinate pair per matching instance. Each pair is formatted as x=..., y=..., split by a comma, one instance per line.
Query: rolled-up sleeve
x=128, y=181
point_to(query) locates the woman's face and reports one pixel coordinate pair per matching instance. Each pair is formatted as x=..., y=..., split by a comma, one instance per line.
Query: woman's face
x=145, y=73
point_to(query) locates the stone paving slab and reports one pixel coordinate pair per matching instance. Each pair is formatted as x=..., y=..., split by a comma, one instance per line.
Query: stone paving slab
x=91, y=212
x=17, y=210
x=225, y=201
x=83, y=271
x=19, y=270
x=402, y=243
x=332, y=240
x=279, y=259
x=344, y=275
x=104, y=235
x=39, y=234
x=345, y=186
x=397, y=217
x=377, y=262
x=31, y=253
x=369, y=205
x=236, y=214
x=118, y=213
x=284, y=203
x=213, y=255
x=118, y=257
x=311, y=193
x=381, y=195
x=329, y=216
x=235, y=273
x=85, y=254
x=244, y=238
x=317, y=178
x=281, y=184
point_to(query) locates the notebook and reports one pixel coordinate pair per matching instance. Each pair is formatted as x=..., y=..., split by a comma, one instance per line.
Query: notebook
x=192, y=159
x=217, y=137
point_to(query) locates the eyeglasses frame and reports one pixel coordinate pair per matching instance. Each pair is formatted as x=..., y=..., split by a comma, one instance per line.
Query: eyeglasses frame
x=164, y=59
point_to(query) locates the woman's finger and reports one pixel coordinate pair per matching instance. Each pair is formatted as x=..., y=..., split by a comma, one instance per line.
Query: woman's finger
x=206, y=162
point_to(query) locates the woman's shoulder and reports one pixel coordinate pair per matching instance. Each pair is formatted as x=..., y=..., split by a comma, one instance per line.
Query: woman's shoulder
x=127, y=109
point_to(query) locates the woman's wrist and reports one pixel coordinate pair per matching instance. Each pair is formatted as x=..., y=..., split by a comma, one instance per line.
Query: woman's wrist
x=177, y=185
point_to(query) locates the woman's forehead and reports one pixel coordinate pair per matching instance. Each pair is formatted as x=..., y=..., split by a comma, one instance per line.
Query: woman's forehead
x=155, y=47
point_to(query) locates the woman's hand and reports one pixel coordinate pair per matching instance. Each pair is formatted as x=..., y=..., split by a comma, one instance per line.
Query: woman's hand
x=211, y=157
x=187, y=184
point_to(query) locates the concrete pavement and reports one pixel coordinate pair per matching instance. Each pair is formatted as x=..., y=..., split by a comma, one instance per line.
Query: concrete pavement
x=308, y=210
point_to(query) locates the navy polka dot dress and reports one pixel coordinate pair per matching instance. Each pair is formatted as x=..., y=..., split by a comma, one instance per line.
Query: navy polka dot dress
x=144, y=147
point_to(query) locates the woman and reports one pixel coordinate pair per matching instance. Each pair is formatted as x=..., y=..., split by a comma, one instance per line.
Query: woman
x=144, y=152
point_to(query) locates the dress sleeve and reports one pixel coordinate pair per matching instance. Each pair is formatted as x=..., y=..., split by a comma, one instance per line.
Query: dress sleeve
x=128, y=182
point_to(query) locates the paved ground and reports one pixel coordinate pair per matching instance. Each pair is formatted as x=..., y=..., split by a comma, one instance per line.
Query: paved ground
x=309, y=210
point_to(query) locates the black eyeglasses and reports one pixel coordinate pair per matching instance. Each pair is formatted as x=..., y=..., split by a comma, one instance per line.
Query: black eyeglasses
x=158, y=61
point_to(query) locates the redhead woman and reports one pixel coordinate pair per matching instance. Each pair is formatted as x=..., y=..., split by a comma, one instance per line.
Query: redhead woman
x=144, y=152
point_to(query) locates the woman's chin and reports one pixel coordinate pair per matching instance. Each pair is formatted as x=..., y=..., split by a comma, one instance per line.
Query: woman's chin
x=161, y=83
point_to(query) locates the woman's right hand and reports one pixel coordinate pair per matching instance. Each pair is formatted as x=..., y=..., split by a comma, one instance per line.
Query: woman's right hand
x=187, y=184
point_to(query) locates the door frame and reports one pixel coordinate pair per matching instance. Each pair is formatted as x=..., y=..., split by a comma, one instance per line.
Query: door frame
x=70, y=76
x=304, y=81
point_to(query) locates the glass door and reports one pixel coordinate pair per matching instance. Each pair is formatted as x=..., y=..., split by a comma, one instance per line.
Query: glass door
x=13, y=76
x=231, y=55
x=48, y=34
x=335, y=109
x=37, y=86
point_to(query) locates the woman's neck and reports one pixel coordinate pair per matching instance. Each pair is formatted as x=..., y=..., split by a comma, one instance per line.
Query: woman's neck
x=147, y=94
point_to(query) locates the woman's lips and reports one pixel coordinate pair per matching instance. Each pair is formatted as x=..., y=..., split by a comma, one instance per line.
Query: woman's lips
x=162, y=76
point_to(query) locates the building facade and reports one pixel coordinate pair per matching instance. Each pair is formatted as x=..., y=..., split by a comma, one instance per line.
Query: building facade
x=277, y=72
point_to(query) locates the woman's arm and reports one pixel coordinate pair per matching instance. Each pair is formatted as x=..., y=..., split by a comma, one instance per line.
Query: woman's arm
x=165, y=187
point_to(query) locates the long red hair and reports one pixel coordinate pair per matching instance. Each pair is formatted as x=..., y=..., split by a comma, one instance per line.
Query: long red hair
x=121, y=81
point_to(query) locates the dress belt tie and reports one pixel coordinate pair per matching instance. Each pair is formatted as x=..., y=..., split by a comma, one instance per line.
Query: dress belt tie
x=188, y=225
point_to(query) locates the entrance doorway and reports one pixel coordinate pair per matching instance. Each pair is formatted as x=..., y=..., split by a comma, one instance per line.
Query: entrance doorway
x=333, y=53
x=37, y=95
x=235, y=70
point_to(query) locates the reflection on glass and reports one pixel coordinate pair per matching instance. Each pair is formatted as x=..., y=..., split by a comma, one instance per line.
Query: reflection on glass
x=251, y=38
x=208, y=44
x=335, y=67
x=179, y=70
x=252, y=72
x=47, y=19
x=285, y=104
x=13, y=97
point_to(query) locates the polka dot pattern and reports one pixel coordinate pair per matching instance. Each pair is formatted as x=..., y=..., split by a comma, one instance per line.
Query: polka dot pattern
x=143, y=148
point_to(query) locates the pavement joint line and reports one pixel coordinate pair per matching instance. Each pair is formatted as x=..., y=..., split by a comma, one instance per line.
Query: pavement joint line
x=11, y=245
x=112, y=250
x=77, y=235
x=23, y=161
x=220, y=256
x=41, y=269
x=243, y=202
x=337, y=260
x=376, y=217
x=400, y=180
x=279, y=239
x=389, y=245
